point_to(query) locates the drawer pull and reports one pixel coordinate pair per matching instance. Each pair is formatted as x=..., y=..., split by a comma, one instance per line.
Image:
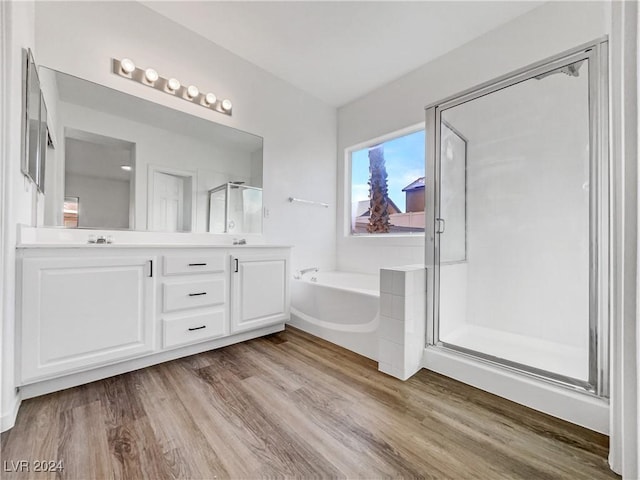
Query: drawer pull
x=197, y=328
x=197, y=264
x=196, y=294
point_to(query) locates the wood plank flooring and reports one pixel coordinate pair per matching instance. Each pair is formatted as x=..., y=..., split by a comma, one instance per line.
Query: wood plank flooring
x=292, y=405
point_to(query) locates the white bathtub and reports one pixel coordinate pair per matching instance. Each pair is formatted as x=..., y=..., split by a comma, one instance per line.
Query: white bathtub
x=341, y=307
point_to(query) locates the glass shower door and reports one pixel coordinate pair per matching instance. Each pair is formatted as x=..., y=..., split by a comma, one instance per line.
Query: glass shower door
x=516, y=215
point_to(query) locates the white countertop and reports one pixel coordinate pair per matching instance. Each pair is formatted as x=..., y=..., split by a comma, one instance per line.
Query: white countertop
x=110, y=246
x=65, y=238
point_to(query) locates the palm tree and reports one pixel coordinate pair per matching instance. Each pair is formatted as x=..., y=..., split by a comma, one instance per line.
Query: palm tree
x=379, y=205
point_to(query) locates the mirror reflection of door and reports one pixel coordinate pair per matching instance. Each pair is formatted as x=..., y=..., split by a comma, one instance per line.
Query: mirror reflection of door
x=168, y=202
x=99, y=170
x=171, y=200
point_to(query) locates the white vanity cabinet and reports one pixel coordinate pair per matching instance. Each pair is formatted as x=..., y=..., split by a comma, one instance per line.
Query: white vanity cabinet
x=259, y=289
x=90, y=312
x=195, y=297
x=79, y=312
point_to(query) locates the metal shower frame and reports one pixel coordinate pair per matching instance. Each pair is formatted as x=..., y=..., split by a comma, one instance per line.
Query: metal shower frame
x=596, y=53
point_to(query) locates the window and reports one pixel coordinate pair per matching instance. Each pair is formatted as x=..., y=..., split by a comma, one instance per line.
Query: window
x=387, y=185
x=70, y=211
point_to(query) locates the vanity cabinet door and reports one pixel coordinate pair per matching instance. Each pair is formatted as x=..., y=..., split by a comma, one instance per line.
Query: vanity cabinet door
x=80, y=312
x=260, y=291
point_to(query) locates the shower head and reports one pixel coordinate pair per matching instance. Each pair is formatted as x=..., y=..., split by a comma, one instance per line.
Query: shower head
x=572, y=70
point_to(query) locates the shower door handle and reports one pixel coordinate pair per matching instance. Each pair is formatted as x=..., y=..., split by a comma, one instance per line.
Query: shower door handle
x=441, y=225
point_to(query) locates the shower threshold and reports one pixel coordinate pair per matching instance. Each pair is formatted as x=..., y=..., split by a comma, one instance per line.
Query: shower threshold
x=554, y=357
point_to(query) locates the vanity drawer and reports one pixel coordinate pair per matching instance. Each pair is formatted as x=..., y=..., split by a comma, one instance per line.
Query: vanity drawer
x=177, y=296
x=186, y=264
x=193, y=328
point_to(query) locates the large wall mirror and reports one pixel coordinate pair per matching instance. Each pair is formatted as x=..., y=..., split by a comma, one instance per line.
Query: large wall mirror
x=129, y=163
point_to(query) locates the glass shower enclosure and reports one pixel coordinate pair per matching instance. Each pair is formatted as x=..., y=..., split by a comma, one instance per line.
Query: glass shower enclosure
x=235, y=208
x=517, y=236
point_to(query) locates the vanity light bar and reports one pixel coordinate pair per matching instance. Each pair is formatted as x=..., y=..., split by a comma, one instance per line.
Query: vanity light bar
x=149, y=77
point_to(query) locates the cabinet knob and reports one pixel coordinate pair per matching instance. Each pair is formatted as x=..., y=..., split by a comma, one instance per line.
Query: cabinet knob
x=197, y=328
x=196, y=294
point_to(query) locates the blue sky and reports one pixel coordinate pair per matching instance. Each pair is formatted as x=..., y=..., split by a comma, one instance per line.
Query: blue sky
x=404, y=158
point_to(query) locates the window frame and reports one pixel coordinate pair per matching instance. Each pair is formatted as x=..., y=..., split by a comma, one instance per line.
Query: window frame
x=348, y=183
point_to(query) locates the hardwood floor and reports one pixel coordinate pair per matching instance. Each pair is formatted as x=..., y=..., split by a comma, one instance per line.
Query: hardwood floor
x=292, y=405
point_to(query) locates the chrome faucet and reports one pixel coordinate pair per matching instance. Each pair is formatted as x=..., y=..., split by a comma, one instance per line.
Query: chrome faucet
x=300, y=273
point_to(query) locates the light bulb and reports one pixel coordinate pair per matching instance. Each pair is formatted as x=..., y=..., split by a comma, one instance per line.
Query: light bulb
x=127, y=66
x=210, y=99
x=192, y=91
x=226, y=104
x=126, y=168
x=173, y=84
x=151, y=75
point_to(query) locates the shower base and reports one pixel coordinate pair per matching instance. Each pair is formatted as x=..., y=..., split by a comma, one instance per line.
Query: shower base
x=549, y=356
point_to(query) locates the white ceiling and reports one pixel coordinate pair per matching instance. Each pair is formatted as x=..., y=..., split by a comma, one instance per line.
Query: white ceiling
x=97, y=159
x=339, y=51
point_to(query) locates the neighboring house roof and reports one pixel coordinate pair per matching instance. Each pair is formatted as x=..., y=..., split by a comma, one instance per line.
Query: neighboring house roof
x=416, y=184
x=364, y=208
x=394, y=208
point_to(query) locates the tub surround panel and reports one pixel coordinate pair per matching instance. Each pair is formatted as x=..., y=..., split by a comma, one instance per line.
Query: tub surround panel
x=401, y=335
x=340, y=307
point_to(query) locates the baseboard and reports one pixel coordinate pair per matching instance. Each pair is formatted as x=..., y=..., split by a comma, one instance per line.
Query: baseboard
x=575, y=407
x=8, y=419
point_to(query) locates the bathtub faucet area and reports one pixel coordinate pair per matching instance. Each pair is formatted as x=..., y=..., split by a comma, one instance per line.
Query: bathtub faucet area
x=300, y=273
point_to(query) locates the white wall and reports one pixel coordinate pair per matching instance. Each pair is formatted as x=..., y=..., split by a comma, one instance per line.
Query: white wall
x=299, y=132
x=543, y=32
x=103, y=201
x=624, y=451
x=16, y=25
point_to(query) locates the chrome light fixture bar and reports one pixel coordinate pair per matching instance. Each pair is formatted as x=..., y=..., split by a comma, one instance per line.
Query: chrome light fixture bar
x=150, y=77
